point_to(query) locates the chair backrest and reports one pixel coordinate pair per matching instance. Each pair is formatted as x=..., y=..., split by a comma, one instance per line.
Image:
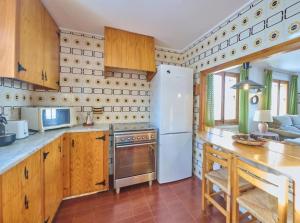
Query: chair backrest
x=276, y=185
x=213, y=156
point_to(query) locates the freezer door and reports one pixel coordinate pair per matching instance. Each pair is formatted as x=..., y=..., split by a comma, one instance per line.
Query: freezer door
x=176, y=104
x=174, y=157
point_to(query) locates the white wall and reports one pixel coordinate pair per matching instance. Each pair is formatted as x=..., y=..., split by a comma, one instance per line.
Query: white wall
x=255, y=74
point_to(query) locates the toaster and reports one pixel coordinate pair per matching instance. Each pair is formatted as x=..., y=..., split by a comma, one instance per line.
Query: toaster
x=19, y=127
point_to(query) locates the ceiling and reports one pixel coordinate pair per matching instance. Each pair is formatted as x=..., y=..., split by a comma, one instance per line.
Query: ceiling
x=288, y=62
x=174, y=23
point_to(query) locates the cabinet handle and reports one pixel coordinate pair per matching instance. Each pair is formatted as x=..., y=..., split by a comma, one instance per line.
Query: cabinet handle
x=26, y=173
x=45, y=154
x=43, y=75
x=21, y=67
x=46, y=78
x=101, y=138
x=26, y=202
x=47, y=220
x=100, y=183
x=73, y=143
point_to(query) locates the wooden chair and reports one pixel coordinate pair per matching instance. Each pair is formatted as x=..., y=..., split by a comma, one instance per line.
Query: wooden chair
x=220, y=177
x=267, y=202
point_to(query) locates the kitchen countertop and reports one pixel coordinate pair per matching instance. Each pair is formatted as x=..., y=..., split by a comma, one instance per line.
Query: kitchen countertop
x=283, y=158
x=15, y=153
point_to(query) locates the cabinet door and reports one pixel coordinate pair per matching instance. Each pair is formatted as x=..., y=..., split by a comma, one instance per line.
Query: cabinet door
x=53, y=186
x=32, y=201
x=12, y=201
x=8, y=21
x=31, y=41
x=22, y=192
x=132, y=47
x=115, y=48
x=66, y=164
x=149, y=54
x=88, y=162
x=51, y=52
x=32, y=189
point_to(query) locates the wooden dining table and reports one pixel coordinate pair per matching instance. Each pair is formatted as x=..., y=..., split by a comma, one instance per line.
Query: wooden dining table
x=277, y=156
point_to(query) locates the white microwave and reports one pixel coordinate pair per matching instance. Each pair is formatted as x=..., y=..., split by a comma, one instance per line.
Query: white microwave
x=45, y=118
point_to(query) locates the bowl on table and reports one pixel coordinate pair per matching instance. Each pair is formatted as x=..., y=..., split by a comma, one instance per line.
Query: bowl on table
x=250, y=140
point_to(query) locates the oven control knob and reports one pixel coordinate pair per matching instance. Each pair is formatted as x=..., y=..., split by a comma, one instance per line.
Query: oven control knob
x=122, y=139
x=138, y=137
x=133, y=138
x=152, y=136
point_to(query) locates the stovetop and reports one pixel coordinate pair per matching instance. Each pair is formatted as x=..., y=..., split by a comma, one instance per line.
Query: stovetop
x=132, y=133
x=128, y=127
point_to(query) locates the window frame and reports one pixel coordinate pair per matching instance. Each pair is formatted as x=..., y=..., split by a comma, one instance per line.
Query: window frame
x=230, y=121
x=278, y=94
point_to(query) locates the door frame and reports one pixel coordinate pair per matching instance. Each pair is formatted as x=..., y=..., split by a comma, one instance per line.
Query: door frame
x=284, y=47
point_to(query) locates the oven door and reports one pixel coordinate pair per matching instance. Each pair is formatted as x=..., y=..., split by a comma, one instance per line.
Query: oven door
x=133, y=160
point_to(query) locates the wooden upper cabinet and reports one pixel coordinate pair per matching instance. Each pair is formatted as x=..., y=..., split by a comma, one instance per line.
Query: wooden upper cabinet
x=51, y=53
x=31, y=41
x=127, y=50
x=28, y=46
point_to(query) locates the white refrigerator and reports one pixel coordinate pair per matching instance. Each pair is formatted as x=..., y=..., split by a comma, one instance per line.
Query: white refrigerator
x=171, y=106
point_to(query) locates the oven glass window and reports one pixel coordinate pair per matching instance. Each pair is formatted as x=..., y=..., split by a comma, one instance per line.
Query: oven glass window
x=134, y=160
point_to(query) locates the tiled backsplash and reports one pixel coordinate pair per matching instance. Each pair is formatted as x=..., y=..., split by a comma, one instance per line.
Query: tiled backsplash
x=14, y=94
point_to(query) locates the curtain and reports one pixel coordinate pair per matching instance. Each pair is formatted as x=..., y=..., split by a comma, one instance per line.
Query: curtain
x=209, y=113
x=293, y=101
x=267, y=92
x=243, y=103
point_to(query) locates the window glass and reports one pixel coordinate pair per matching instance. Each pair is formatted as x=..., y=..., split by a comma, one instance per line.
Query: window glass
x=225, y=98
x=230, y=104
x=283, y=98
x=274, y=103
x=279, y=97
x=217, y=97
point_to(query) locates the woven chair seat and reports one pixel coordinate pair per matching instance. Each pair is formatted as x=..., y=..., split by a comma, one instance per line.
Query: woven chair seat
x=263, y=206
x=220, y=178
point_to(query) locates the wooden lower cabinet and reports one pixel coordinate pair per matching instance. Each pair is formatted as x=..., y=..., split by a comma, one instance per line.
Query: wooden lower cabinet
x=22, y=192
x=74, y=164
x=52, y=172
x=88, y=162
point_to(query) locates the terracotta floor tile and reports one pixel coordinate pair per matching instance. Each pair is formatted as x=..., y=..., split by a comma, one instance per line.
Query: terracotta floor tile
x=168, y=203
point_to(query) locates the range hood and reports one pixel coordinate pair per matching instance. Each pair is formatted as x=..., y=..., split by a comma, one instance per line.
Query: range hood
x=248, y=84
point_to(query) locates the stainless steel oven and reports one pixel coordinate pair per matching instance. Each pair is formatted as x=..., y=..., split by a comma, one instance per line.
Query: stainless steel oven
x=134, y=157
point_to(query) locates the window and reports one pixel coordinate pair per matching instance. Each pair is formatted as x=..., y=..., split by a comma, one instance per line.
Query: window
x=279, y=97
x=225, y=98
